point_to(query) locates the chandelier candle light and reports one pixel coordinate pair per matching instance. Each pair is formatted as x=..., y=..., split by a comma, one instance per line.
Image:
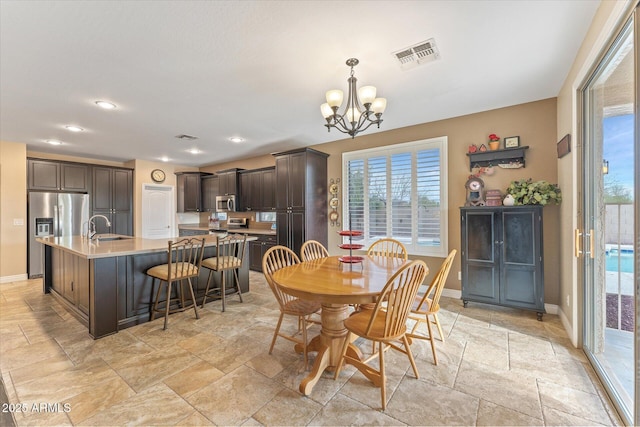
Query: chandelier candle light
x=356, y=117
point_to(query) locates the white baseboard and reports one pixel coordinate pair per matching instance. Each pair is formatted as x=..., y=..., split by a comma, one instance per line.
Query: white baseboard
x=551, y=308
x=567, y=327
x=16, y=278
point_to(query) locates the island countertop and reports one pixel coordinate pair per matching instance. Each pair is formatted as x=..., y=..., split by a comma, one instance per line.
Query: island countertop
x=127, y=245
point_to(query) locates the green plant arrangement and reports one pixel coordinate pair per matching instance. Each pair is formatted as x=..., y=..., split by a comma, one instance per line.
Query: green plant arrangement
x=529, y=192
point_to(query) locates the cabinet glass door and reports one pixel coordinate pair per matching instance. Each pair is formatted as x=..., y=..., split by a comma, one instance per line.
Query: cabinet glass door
x=610, y=251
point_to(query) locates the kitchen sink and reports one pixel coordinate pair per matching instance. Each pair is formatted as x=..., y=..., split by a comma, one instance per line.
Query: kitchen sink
x=110, y=238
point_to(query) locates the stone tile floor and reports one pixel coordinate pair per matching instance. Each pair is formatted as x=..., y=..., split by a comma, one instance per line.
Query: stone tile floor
x=496, y=367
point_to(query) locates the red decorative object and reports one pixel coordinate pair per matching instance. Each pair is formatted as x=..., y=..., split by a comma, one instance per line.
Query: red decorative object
x=473, y=148
x=350, y=233
x=350, y=259
x=494, y=137
x=351, y=246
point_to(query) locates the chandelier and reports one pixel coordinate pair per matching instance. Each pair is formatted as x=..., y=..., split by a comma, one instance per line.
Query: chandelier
x=356, y=117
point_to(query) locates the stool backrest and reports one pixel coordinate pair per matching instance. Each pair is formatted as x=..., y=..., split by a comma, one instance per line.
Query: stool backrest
x=185, y=257
x=230, y=251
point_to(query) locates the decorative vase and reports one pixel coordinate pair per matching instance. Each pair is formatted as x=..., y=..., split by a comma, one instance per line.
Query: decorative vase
x=509, y=200
x=493, y=145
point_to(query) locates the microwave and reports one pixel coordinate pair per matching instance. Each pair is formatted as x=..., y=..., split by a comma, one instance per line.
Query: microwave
x=226, y=203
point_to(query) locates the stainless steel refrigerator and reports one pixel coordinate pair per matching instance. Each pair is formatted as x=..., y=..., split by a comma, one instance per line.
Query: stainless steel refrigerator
x=53, y=214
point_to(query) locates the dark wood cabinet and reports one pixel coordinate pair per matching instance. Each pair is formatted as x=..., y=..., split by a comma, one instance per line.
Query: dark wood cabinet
x=228, y=181
x=502, y=256
x=257, y=249
x=210, y=189
x=290, y=181
x=245, y=192
x=69, y=273
x=112, y=196
x=292, y=230
x=269, y=189
x=301, y=197
x=257, y=190
x=189, y=191
x=57, y=176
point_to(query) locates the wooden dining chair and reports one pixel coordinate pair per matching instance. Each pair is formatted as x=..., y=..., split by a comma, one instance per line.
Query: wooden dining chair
x=274, y=259
x=183, y=262
x=229, y=255
x=384, y=248
x=385, y=324
x=389, y=248
x=429, y=304
x=312, y=249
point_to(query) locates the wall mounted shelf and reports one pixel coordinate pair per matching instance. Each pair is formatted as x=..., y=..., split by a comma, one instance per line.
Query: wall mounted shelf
x=497, y=157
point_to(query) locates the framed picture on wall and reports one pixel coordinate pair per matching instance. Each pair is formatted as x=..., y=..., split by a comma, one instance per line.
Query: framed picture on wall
x=564, y=146
x=512, y=142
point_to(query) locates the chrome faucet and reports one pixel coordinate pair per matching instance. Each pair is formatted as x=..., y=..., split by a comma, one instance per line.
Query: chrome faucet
x=91, y=226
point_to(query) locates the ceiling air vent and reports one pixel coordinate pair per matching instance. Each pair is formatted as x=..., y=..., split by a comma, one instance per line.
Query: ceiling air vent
x=421, y=53
x=186, y=137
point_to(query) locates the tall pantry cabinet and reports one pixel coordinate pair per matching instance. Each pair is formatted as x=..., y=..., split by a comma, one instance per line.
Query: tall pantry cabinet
x=301, y=197
x=502, y=256
x=112, y=196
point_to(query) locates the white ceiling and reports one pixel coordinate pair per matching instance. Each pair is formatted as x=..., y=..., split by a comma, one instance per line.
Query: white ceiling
x=259, y=69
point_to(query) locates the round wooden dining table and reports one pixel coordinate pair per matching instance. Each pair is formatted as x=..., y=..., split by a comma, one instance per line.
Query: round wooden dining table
x=335, y=285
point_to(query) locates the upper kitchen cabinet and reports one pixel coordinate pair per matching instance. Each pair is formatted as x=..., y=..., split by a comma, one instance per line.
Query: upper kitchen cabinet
x=189, y=186
x=269, y=189
x=57, y=176
x=257, y=189
x=112, y=196
x=228, y=181
x=210, y=189
x=301, y=197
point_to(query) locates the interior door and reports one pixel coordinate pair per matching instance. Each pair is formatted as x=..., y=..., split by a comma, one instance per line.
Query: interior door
x=609, y=234
x=158, y=211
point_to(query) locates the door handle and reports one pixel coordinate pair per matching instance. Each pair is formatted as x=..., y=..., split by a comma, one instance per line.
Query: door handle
x=576, y=243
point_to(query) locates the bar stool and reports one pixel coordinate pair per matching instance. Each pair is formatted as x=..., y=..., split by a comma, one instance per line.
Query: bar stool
x=183, y=262
x=229, y=255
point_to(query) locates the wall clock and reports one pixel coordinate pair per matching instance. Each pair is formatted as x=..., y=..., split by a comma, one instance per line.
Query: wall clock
x=475, y=192
x=157, y=175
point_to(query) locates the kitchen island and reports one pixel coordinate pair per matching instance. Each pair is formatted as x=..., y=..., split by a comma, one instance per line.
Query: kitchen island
x=103, y=282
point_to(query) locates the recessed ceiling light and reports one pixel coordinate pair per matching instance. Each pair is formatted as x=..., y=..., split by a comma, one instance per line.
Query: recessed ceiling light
x=106, y=105
x=164, y=159
x=53, y=142
x=73, y=128
x=236, y=139
x=194, y=151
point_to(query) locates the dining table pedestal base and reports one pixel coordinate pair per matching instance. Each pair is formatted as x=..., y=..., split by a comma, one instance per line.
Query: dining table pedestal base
x=328, y=345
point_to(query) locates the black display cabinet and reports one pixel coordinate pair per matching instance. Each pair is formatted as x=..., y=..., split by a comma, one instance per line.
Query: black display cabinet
x=502, y=256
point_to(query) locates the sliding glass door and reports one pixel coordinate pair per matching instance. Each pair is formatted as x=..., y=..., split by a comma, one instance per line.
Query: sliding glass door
x=610, y=197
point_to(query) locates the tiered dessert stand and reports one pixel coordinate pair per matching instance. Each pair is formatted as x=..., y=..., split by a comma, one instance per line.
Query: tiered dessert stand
x=350, y=259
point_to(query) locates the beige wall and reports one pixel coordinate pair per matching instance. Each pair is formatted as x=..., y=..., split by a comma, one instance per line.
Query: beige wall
x=534, y=122
x=13, y=205
x=602, y=28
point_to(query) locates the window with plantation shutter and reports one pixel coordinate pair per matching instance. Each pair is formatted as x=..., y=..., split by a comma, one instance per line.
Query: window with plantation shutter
x=399, y=191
